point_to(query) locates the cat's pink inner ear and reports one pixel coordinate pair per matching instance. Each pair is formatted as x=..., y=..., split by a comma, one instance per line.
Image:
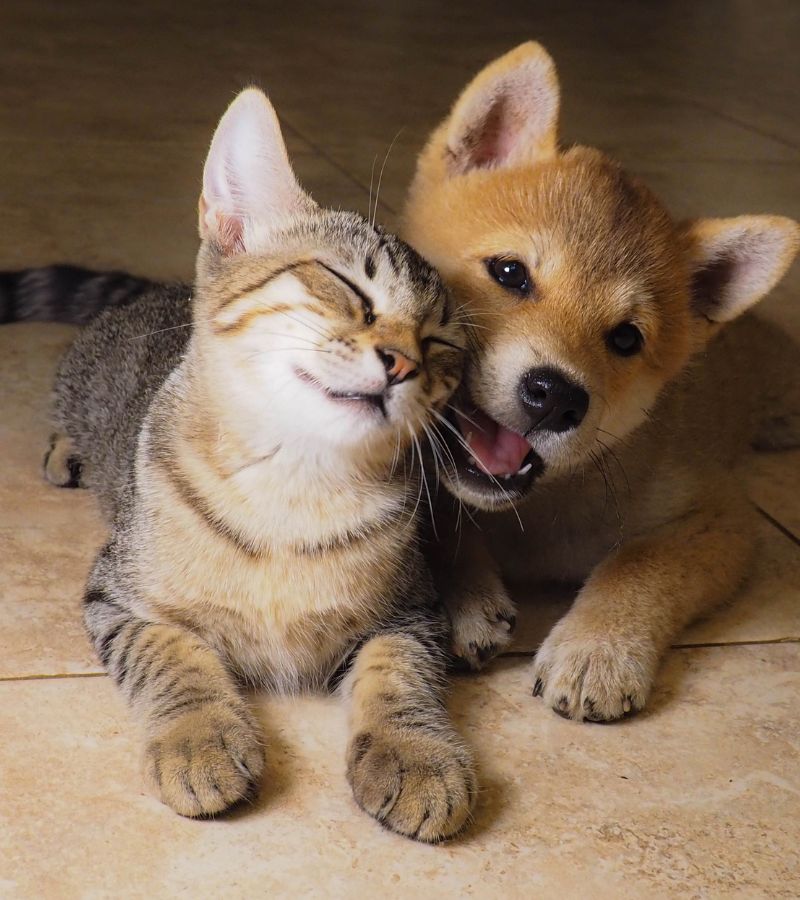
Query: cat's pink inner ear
x=227, y=231
x=248, y=183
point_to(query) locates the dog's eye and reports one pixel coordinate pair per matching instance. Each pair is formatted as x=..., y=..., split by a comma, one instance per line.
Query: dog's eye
x=625, y=339
x=511, y=273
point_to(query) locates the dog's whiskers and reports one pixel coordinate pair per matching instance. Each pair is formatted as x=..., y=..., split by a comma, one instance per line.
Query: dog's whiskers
x=616, y=459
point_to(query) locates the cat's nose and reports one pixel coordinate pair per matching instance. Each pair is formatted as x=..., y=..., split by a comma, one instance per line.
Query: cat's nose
x=399, y=368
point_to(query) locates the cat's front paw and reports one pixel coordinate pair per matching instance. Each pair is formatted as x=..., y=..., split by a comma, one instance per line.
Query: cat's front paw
x=413, y=782
x=204, y=761
x=483, y=624
x=591, y=677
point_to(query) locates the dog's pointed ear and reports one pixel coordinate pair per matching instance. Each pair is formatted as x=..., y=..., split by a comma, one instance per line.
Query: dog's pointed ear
x=735, y=262
x=507, y=115
x=248, y=182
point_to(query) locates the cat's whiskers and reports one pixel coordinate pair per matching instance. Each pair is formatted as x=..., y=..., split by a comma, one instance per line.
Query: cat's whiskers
x=497, y=483
x=139, y=337
x=315, y=327
x=437, y=441
x=293, y=337
x=380, y=177
x=413, y=517
x=464, y=416
x=395, y=456
x=286, y=349
x=425, y=484
x=371, y=180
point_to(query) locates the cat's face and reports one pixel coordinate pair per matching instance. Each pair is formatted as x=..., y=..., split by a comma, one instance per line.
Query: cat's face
x=343, y=336
x=326, y=331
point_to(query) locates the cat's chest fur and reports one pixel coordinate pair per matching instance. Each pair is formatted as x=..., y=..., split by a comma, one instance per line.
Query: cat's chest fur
x=281, y=590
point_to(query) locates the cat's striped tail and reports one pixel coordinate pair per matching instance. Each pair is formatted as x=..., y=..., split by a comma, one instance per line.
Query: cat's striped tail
x=63, y=293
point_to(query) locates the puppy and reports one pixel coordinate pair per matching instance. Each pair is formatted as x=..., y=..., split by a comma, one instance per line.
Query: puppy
x=604, y=387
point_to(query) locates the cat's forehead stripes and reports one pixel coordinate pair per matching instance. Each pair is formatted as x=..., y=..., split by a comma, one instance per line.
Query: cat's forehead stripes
x=280, y=294
x=255, y=283
x=373, y=256
x=336, y=291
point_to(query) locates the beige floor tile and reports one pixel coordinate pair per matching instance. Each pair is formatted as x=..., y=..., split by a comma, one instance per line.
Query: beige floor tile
x=44, y=573
x=29, y=354
x=566, y=809
x=775, y=486
x=48, y=536
x=767, y=608
x=128, y=205
x=638, y=123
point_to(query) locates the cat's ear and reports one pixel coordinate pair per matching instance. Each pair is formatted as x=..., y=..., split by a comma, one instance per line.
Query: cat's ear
x=507, y=115
x=735, y=262
x=248, y=182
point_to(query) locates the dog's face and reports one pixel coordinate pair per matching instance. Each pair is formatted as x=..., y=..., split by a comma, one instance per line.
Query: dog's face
x=584, y=297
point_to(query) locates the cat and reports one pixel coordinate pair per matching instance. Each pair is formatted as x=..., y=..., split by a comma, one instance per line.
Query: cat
x=249, y=445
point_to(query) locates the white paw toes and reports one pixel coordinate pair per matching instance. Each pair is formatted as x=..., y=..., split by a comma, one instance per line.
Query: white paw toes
x=594, y=679
x=483, y=626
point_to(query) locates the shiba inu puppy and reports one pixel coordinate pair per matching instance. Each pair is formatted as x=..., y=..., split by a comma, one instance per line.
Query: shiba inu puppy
x=602, y=387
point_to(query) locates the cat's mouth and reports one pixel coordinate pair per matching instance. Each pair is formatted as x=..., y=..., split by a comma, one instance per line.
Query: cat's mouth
x=490, y=458
x=362, y=401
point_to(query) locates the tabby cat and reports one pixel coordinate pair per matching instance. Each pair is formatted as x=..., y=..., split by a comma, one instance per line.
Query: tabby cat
x=253, y=467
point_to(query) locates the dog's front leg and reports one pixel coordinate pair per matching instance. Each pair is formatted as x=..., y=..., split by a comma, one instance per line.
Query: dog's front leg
x=482, y=614
x=599, y=662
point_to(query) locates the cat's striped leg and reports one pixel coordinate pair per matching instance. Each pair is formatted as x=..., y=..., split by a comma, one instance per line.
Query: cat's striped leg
x=203, y=751
x=63, y=466
x=406, y=763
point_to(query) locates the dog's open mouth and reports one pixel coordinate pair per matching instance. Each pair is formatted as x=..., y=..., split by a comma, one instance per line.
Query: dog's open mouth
x=492, y=458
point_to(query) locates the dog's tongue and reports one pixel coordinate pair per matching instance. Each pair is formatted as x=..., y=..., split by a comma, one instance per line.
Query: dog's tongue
x=498, y=450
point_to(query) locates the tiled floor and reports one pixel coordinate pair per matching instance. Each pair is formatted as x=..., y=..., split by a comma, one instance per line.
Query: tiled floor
x=105, y=113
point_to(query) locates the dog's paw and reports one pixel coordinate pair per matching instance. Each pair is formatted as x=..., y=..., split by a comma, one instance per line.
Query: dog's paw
x=205, y=761
x=414, y=782
x=483, y=624
x=593, y=678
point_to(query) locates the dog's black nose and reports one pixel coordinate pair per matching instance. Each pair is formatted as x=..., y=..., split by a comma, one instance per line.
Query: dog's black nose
x=552, y=402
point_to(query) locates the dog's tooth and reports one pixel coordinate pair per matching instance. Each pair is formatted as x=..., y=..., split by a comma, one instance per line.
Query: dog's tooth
x=525, y=469
x=473, y=461
x=468, y=437
x=506, y=477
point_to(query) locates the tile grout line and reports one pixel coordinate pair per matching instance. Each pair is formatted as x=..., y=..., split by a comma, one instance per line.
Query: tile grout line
x=786, y=532
x=514, y=654
x=336, y=165
x=698, y=104
x=510, y=654
x=53, y=676
x=793, y=639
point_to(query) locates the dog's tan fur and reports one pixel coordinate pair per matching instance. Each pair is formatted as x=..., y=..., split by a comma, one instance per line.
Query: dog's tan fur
x=639, y=503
